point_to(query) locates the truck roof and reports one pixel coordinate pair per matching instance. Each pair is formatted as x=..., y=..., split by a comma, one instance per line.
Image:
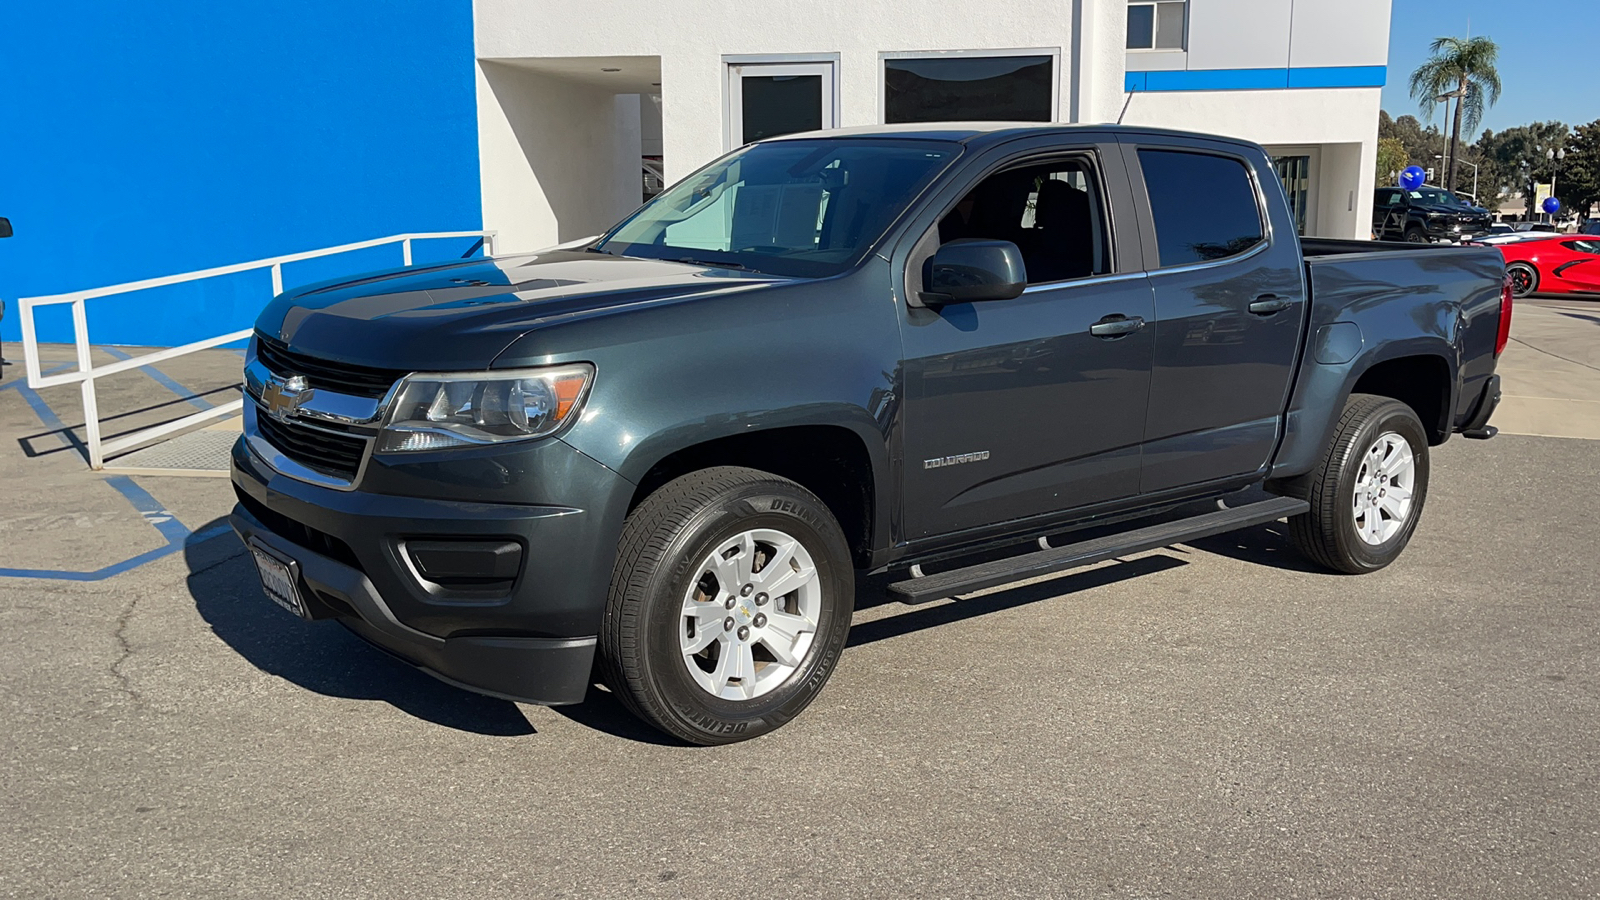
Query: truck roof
x=983, y=133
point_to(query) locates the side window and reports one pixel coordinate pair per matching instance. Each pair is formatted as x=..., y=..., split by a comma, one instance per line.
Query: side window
x=1204, y=206
x=1388, y=197
x=1584, y=246
x=1052, y=211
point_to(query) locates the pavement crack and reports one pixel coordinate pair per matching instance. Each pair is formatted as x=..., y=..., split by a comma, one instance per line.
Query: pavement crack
x=124, y=652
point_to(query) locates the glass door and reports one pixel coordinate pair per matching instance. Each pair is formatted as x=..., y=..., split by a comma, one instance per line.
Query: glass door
x=1295, y=172
x=771, y=99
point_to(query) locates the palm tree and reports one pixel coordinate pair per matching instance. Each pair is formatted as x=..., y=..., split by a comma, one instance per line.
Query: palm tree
x=1462, y=69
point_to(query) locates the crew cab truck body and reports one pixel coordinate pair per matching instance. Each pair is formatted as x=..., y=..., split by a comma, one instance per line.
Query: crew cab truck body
x=666, y=455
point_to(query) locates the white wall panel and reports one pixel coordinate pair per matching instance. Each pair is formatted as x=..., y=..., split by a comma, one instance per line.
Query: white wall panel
x=1239, y=34
x=1340, y=33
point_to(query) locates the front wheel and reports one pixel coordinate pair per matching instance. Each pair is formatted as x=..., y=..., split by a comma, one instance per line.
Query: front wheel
x=1415, y=235
x=1366, y=495
x=730, y=605
x=1524, y=279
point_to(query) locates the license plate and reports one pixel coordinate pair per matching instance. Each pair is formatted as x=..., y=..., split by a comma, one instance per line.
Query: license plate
x=279, y=579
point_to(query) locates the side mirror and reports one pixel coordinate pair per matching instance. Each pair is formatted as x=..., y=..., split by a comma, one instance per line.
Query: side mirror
x=970, y=270
x=5, y=227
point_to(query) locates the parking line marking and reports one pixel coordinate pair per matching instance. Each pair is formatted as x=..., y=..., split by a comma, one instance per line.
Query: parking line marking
x=176, y=534
x=166, y=381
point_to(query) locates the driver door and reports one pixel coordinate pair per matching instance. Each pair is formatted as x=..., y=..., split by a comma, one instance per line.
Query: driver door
x=1014, y=409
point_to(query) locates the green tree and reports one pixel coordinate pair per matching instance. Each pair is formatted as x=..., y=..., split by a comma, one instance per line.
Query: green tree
x=1421, y=144
x=1462, y=69
x=1519, y=156
x=1391, y=158
x=1579, y=185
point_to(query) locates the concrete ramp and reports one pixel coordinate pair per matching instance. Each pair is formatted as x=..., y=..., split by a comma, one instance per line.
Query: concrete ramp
x=201, y=453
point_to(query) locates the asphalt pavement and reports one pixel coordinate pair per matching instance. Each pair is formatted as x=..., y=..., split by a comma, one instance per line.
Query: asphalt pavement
x=1211, y=720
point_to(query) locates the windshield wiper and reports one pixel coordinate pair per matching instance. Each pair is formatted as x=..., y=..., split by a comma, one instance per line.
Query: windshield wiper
x=593, y=249
x=711, y=262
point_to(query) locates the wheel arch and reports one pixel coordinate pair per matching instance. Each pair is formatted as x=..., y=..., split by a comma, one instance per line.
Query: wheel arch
x=1417, y=372
x=1423, y=382
x=830, y=460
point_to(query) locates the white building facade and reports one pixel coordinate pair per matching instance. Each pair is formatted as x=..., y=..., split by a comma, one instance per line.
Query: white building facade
x=573, y=99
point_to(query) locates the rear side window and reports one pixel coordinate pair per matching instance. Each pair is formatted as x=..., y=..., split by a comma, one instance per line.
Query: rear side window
x=1204, y=206
x=1388, y=197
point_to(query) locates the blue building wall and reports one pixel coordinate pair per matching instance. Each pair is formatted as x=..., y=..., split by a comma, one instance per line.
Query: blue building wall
x=148, y=139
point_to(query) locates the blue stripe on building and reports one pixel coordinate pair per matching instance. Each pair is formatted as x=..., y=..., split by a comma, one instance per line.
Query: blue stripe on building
x=1257, y=79
x=147, y=140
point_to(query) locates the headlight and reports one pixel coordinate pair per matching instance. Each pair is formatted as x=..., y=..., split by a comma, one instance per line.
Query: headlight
x=431, y=412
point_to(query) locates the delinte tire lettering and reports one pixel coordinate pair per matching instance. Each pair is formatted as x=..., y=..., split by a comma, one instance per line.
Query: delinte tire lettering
x=957, y=460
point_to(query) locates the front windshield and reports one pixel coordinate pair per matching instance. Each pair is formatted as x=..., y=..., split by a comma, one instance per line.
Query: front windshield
x=808, y=208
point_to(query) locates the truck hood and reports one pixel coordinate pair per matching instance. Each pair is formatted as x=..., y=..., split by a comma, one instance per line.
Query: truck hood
x=462, y=315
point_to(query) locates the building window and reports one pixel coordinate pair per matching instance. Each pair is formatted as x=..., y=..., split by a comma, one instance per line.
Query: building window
x=969, y=88
x=773, y=99
x=1157, y=26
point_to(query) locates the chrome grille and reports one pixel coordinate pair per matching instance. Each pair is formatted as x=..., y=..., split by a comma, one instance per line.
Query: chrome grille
x=325, y=374
x=318, y=449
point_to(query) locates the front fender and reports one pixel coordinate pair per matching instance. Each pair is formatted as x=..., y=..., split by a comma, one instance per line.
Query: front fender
x=824, y=352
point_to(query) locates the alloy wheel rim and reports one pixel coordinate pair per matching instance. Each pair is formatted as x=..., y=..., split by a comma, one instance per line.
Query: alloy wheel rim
x=1384, y=490
x=750, y=614
x=1521, y=281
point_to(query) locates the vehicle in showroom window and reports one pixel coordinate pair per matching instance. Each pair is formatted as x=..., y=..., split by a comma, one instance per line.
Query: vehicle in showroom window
x=664, y=459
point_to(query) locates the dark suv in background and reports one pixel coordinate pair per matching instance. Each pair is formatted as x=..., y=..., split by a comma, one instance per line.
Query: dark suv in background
x=1425, y=214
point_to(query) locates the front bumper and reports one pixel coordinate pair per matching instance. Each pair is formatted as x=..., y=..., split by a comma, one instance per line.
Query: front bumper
x=532, y=637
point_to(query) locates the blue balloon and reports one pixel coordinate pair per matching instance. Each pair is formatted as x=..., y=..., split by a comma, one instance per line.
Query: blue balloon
x=1412, y=177
x=1551, y=205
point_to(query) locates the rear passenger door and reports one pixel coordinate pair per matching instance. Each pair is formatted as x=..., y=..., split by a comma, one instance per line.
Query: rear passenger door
x=1225, y=268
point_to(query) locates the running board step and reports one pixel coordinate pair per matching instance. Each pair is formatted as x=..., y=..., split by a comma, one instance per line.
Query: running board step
x=1085, y=553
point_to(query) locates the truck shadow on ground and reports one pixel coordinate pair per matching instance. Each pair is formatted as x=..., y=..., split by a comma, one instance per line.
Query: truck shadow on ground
x=602, y=711
x=325, y=658
x=322, y=656
x=1265, y=545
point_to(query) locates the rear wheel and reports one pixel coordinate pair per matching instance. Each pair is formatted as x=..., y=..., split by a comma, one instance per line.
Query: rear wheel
x=1524, y=279
x=1366, y=495
x=730, y=604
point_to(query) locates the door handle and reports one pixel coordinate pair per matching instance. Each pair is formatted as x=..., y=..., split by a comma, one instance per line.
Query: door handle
x=1116, y=325
x=1267, y=304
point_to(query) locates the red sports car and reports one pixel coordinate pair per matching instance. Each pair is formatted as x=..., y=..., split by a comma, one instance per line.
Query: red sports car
x=1558, y=264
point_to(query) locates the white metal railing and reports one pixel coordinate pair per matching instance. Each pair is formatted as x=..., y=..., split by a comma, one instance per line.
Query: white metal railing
x=87, y=372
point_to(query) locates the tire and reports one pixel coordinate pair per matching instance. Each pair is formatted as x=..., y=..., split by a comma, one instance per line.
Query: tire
x=1415, y=235
x=1344, y=531
x=1524, y=279
x=670, y=592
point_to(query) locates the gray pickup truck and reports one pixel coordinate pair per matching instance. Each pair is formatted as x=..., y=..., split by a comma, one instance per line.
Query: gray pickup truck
x=664, y=458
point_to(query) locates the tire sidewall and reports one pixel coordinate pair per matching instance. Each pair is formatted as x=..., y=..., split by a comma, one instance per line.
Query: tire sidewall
x=665, y=672
x=1533, y=279
x=1391, y=417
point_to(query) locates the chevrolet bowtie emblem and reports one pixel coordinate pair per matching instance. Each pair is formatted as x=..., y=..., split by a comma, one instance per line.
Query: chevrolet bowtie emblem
x=282, y=396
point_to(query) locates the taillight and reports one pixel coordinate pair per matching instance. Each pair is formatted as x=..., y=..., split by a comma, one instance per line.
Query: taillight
x=1504, y=336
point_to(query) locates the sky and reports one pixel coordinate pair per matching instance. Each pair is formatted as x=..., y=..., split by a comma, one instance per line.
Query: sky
x=1548, y=51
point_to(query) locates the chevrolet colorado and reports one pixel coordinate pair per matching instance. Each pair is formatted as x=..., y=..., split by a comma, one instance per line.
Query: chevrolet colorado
x=664, y=457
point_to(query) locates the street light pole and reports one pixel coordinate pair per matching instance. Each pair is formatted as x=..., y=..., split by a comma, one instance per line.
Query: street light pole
x=1554, y=157
x=1462, y=162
